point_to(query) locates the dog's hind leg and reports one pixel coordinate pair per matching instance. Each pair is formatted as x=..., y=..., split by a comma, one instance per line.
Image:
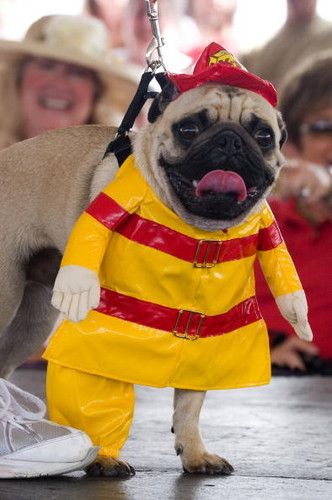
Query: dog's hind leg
x=12, y=279
x=35, y=315
x=188, y=440
x=29, y=329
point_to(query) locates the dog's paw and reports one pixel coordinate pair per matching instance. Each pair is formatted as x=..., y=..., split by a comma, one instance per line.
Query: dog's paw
x=208, y=464
x=110, y=467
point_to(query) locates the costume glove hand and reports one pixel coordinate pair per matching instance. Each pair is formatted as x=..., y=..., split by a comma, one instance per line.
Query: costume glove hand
x=76, y=291
x=294, y=308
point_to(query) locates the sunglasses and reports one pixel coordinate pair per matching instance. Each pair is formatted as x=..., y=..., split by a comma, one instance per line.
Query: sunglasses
x=319, y=127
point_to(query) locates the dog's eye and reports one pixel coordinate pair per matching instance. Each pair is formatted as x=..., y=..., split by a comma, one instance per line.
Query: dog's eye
x=264, y=137
x=188, y=130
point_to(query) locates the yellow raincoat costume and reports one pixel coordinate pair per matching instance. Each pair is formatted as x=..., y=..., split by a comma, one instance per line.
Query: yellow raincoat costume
x=177, y=308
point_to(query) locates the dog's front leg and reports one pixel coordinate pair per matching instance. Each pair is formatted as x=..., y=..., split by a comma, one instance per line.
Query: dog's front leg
x=188, y=440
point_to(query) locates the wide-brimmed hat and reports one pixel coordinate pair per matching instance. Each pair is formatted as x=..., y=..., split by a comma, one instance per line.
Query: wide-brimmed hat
x=80, y=40
x=218, y=65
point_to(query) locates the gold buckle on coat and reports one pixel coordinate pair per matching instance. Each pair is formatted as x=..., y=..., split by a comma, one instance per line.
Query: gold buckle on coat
x=204, y=262
x=185, y=334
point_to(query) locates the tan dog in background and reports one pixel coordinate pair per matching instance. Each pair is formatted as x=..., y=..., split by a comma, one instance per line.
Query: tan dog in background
x=45, y=184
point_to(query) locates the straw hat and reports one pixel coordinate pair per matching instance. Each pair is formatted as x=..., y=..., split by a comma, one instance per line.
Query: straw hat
x=80, y=40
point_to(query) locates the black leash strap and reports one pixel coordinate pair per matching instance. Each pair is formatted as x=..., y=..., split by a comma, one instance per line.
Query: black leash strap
x=121, y=146
x=136, y=104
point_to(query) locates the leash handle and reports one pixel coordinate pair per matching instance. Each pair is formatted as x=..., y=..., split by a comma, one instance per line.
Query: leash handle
x=121, y=145
x=157, y=41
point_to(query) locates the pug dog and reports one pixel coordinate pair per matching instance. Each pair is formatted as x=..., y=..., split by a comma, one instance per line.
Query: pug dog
x=210, y=155
x=205, y=164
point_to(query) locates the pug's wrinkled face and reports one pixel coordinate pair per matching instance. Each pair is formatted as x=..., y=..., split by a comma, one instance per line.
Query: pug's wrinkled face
x=212, y=154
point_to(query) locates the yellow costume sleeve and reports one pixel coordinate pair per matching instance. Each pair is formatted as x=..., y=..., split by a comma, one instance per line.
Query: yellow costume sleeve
x=87, y=243
x=275, y=261
x=91, y=234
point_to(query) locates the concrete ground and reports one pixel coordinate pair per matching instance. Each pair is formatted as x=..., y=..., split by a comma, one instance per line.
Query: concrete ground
x=278, y=438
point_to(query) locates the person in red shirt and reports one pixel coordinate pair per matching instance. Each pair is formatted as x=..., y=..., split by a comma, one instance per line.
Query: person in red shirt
x=302, y=205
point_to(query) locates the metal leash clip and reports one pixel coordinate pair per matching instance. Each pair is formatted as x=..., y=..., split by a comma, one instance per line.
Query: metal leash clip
x=157, y=41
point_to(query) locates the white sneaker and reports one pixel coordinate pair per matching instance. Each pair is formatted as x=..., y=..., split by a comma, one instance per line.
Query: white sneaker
x=31, y=446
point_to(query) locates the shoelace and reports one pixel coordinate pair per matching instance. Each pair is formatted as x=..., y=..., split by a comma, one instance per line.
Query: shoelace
x=15, y=413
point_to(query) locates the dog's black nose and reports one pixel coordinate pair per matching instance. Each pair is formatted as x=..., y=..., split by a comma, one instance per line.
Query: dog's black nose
x=227, y=144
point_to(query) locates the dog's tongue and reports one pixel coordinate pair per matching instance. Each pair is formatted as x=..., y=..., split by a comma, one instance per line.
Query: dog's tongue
x=222, y=181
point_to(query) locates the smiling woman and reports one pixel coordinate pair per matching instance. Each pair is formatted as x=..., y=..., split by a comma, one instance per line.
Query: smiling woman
x=61, y=74
x=53, y=94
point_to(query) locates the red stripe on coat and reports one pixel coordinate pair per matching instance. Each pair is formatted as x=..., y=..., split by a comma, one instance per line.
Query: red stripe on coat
x=160, y=237
x=165, y=318
x=269, y=237
x=154, y=235
x=107, y=211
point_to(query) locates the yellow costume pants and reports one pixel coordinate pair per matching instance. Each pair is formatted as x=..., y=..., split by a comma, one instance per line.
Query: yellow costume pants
x=101, y=407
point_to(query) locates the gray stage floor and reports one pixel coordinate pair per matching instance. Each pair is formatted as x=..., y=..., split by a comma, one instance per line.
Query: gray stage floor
x=278, y=438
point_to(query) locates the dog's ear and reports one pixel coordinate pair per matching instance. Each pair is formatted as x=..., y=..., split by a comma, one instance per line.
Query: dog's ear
x=283, y=130
x=161, y=101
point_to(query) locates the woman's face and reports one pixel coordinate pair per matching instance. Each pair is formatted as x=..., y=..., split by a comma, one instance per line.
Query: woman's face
x=316, y=137
x=55, y=95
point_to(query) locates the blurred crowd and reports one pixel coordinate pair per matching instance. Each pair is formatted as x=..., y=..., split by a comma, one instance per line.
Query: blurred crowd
x=71, y=70
x=84, y=69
